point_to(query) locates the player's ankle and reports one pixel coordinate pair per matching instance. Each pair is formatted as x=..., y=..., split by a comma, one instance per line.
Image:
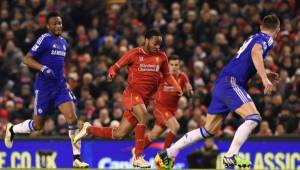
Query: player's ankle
x=76, y=157
x=12, y=131
x=229, y=154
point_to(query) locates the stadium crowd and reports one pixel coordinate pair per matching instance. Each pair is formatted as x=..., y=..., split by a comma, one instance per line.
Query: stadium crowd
x=205, y=34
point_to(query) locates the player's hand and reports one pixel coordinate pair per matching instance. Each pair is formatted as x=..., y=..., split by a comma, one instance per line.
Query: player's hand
x=179, y=92
x=267, y=85
x=273, y=77
x=110, y=77
x=189, y=91
x=111, y=74
x=48, y=72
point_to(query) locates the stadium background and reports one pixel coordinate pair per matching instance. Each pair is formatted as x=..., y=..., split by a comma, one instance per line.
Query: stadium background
x=205, y=34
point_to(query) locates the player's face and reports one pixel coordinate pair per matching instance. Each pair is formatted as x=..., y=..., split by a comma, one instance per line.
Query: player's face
x=276, y=31
x=55, y=26
x=174, y=66
x=153, y=43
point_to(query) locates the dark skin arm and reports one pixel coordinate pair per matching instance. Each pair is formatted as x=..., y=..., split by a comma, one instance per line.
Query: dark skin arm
x=32, y=63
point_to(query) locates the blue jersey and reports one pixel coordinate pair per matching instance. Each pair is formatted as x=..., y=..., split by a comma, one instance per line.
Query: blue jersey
x=50, y=50
x=241, y=66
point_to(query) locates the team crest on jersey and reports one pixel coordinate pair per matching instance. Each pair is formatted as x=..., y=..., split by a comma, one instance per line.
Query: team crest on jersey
x=141, y=59
x=40, y=110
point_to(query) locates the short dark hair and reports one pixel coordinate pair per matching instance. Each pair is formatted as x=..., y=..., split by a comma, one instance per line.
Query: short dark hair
x=270, y=22
x=151, y=33
x=52, y=14
x=173, y=57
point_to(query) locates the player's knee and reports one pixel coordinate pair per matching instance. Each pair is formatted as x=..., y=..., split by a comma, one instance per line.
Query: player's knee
x=142, y=120
x=255, y=118
x=153, y=135
x=71, y=120
x=210, y=130
x=119, y=135
x=175, y=127
x=206, y=133
x=38, y=126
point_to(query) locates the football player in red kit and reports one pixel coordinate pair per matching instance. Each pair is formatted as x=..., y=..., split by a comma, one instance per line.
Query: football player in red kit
x=145, y=66
x=165, y=104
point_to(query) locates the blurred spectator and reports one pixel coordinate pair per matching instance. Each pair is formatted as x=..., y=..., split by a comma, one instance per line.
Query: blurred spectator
x=62, y=126
x=49, y=127
x=206, y=157
x=20, y=113
x=264, y=129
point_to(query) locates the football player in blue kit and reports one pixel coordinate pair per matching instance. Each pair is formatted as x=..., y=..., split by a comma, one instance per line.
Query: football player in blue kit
x=50, y=88
x=229, y=95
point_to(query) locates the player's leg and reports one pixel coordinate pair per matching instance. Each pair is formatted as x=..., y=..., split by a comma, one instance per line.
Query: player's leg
x=140, y=112
x=25, y=127
x=252, y=118
x=64, y=101
x=155, y=132
x=135, y=104
x=69, y=112
x=127, y=124
x=242, y=104
x=172, y=124
x=41, y=105
x=212, y=125
x=165, y=118
x=213, y=122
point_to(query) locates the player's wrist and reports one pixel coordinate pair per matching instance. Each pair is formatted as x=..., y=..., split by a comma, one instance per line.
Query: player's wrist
x=43, y=68
x=112, y=71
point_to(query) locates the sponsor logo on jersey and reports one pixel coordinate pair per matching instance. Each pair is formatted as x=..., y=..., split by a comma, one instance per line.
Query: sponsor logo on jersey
x=149, y=67
x=58, y=52
x=168, y=88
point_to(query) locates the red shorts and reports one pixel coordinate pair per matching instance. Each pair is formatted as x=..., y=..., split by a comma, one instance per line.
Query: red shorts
x=131, y=98
x=162, y=114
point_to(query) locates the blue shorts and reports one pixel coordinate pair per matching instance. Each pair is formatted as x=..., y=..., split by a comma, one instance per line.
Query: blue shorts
x=49, y=99
x=227, y=96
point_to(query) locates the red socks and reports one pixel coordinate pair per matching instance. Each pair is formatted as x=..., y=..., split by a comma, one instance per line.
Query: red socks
x=103, y=132
x=169, y=138
x=139, y=139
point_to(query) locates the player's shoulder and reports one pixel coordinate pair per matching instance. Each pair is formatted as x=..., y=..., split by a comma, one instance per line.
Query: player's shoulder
x=264, y=40
x=162, y=54
x=62, y=39
x=136, y=50
x=183, y=75
x=44, y=37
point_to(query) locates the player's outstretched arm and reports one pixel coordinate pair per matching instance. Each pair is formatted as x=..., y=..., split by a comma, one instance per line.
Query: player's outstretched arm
x=126, y=59
x=188, y=87
x=257, y=58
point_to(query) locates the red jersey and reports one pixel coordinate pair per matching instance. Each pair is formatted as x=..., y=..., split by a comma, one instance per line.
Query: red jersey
x=144, y=70
x=167, y=96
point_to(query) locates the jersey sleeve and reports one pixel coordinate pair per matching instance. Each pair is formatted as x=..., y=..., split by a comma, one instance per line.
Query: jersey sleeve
x=39, y=47
x=263, y=43
x=164, y=66
x=126, y=59
x=185, y=79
